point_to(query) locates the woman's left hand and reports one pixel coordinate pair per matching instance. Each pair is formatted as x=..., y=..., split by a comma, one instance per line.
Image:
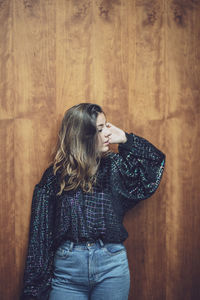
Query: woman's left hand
x=117, y=135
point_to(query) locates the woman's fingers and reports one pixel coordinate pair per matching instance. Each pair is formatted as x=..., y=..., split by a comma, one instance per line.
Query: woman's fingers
x=117, y=135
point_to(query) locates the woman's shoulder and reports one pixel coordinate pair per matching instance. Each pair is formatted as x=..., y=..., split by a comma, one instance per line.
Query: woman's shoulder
x=48, y=178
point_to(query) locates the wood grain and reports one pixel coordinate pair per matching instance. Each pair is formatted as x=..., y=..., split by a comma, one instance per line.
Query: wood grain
x=7, y=211
x=74, y=57
x=146, y=224
x=35, y=102
x=6, y=61
x=183, y=236
x=138, y=59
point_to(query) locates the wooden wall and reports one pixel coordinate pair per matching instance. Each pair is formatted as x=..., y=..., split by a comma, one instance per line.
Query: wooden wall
x=139, y=59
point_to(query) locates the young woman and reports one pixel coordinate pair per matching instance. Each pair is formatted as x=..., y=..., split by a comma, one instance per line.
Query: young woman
x=76, y=249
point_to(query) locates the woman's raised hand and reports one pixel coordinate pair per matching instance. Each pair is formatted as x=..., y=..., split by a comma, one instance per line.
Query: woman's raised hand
x=117, y=135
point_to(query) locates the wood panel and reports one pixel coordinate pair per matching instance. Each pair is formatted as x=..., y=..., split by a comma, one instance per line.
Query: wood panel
x=74, y=54
x=7, y=184
x=146, y=223
x=7, y=211
x=6, y=60
x=111, y=63
x=35, y=102
x=182, y=71
x=139, y=59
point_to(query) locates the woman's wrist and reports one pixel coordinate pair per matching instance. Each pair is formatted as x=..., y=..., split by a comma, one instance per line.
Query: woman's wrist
x=124, y=138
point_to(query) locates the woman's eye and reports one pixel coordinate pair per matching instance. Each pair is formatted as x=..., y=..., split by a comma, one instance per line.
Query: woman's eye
x=100, y=130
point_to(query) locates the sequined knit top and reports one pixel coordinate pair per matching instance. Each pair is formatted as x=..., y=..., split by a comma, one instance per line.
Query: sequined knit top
x=123, y=179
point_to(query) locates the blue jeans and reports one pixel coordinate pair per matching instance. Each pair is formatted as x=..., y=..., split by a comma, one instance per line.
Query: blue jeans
x=90, y=271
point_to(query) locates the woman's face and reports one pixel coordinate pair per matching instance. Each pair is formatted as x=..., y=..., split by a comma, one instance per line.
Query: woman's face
x=103, y=133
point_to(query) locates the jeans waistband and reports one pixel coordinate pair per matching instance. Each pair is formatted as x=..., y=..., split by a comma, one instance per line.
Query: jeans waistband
x=83, y=245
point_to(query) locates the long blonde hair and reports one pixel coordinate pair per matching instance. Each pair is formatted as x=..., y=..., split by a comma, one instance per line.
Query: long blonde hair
x=76, y=156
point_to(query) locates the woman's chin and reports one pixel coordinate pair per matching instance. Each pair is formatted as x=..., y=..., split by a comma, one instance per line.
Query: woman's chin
x=105, y=148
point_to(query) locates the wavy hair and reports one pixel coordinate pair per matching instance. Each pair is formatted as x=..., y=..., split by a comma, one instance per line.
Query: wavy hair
x=76, y=156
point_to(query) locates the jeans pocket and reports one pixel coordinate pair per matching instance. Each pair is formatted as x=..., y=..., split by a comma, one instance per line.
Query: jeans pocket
x=62, y=252
x=114, y=249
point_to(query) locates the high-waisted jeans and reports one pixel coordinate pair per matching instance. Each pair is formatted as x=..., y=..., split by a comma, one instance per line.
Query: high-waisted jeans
x=90, y=271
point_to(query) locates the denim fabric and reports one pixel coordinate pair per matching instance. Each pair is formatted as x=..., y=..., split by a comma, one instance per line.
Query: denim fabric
x=90, y=271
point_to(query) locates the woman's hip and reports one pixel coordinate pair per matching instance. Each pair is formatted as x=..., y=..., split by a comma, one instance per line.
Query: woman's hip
x=89, y=261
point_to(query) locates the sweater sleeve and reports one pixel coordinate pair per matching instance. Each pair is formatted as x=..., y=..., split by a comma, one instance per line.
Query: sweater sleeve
x=137, y=170
x=39, y=261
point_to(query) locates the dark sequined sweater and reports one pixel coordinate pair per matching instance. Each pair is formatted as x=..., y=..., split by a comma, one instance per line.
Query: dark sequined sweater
x=123, y=179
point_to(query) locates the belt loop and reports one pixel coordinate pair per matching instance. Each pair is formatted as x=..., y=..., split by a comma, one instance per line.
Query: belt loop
x=71, y=246
x=101, y=243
